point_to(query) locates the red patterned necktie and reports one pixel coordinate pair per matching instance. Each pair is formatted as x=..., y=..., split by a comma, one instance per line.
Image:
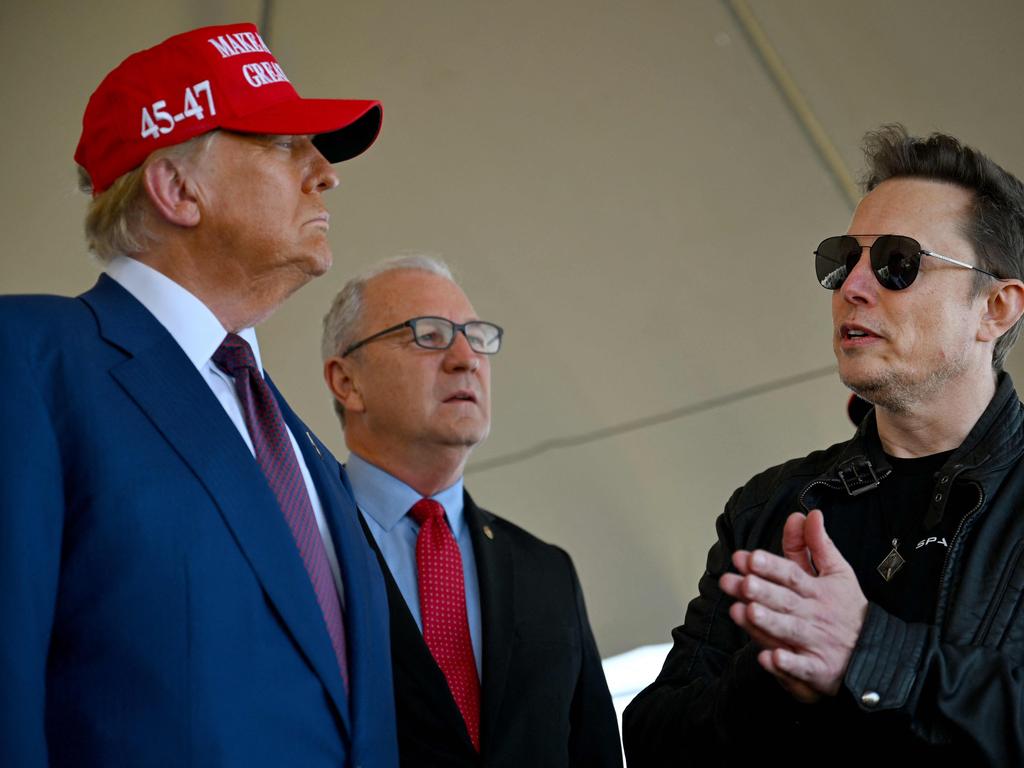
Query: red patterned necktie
x=276, y=458
x=443, y=609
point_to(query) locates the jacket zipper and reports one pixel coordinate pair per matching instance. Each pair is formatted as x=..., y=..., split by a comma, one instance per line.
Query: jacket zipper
x=940, y=609
x=834, y=485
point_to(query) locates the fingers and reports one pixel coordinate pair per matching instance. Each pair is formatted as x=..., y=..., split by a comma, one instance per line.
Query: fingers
x=799, y=689
x=773, y=568
x=754, y=589
x=741, y=561
x=805, y=670
x=804, y=609
x=781, y=571
x=784, y=628
x=794, y=543
x=738, y=613
x=826, y=556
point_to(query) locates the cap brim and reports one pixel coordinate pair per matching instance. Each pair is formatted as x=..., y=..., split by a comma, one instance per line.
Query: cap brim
x=342, y=128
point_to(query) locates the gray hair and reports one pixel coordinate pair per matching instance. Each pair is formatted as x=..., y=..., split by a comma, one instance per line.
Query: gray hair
x=117, y=220
x=341, y=323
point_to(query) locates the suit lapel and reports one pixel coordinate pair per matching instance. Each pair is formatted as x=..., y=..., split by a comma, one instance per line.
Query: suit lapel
x=165, y=385
x=367, y=655
x=495, y=573
x=339, y=510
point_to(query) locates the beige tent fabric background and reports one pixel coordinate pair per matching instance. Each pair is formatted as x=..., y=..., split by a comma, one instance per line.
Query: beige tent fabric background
x=632, y=189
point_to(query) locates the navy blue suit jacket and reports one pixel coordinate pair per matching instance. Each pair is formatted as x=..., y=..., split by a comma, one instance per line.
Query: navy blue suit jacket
x=154, y=608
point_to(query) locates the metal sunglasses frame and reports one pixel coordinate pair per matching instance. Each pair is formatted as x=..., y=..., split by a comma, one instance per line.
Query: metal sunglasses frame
x=920, y=251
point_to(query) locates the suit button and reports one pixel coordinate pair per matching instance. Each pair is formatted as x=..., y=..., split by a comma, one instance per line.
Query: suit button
x=870, y=699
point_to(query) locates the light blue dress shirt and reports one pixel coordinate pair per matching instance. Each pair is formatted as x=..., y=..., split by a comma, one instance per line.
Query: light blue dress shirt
x=384, y=502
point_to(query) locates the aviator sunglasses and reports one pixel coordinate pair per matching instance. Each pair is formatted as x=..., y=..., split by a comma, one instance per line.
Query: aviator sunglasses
x=895, y=260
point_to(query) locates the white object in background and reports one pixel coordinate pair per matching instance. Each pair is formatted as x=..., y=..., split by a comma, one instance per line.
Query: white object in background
x=630, y=672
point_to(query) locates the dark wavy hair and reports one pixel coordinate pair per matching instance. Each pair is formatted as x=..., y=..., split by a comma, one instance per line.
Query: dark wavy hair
x=995, y=223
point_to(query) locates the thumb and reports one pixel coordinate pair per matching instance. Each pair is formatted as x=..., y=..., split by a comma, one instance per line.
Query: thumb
x=794, y=543
x=824, y=553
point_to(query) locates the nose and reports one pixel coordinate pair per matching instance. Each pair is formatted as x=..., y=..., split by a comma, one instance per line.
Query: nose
x=860, y=285
x=460, y=356
x=321, y=176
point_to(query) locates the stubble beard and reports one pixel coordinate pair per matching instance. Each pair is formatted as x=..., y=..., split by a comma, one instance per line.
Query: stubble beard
x=900, y=391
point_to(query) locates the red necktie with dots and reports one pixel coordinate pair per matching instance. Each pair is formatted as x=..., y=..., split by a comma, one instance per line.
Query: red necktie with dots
x=276, y=458
x=443, y=610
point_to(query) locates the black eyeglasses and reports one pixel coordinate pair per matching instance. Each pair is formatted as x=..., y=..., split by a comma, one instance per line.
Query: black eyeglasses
x=895, y=260
x=439, y=333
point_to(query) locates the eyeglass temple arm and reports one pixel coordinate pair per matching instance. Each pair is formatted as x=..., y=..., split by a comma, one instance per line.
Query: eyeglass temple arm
x=961, y=263
x=352, y=348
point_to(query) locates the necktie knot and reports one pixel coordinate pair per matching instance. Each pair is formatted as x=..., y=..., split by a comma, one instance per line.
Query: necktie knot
x=234, y=355
x=426, y=509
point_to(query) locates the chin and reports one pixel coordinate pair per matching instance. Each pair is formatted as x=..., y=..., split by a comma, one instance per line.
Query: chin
x=467, y=437
x=320, y=263
x=886, y=390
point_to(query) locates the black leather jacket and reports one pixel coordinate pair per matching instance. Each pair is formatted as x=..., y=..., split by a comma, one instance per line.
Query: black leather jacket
x=951, y=691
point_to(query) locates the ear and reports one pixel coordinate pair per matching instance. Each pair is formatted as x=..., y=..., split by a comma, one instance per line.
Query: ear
x=171, y=191
x=338, y=373
x=1003, y=307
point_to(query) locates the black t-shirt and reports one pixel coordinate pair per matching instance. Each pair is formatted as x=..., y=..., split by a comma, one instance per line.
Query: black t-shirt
x=864, y=534
x=896, y=511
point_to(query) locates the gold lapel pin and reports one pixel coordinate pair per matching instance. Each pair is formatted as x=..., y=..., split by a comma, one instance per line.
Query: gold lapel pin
x=488, y=532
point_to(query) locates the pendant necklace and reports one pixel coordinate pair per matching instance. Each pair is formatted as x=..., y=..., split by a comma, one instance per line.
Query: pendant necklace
x=892, y=562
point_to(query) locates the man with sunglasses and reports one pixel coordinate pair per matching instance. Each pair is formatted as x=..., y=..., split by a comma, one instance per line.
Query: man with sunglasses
x=861, y=604
x=494, y=659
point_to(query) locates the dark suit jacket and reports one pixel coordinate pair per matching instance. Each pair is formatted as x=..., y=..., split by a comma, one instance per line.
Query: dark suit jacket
x=155, y=610
x=545, y=701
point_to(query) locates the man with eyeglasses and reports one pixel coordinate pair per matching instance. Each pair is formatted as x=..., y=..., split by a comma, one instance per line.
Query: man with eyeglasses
x=862, y=604
x=494, y=659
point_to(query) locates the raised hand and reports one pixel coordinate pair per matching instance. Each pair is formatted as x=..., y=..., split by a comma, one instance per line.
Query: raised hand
x=805, y=609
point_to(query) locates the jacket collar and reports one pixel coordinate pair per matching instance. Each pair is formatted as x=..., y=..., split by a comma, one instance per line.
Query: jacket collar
x=496, y=573
x=996, y=440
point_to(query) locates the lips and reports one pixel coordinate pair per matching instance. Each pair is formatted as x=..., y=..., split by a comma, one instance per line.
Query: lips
x=462, y=396
x=853, y=331
x=853, y=334
x=321, y=218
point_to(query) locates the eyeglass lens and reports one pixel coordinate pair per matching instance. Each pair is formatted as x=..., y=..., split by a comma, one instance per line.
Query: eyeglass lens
x=438, y=333
x=895, y=260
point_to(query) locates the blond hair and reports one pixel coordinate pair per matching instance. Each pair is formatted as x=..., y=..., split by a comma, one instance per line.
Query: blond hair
x=117, y=221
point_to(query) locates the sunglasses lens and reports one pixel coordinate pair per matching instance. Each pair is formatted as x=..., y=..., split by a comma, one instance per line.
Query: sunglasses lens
x=834, y=258
x=895, y=260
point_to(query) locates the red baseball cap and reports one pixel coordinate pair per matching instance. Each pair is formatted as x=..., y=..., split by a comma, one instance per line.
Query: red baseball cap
x=213, y=77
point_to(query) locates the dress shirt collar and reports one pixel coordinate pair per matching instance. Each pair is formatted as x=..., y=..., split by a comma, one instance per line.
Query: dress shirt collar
x=387, y=499
x=196, y=329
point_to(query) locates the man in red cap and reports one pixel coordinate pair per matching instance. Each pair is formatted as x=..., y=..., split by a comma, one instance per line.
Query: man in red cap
x=185, y=579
